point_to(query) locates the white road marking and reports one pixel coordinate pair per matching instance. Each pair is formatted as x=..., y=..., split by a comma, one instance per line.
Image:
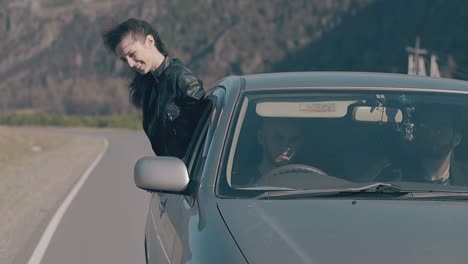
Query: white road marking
x=46, y=237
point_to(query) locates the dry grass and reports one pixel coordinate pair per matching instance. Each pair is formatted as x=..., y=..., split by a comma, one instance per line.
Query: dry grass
x=36, y=172
x=19, y=144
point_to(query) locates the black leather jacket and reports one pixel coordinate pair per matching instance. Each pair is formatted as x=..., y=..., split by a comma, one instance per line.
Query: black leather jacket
x=172, y=105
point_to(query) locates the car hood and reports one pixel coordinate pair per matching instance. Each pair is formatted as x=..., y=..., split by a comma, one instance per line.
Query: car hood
x=346, y=231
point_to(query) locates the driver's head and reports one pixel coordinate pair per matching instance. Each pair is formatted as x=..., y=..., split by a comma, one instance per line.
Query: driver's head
x=437, y=130
x=280, y=139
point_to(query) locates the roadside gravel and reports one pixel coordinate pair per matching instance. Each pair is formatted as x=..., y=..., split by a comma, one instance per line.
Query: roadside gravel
x=38, y=167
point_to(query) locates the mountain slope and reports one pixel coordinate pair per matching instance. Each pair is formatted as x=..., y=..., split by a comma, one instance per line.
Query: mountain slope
x=53, y=59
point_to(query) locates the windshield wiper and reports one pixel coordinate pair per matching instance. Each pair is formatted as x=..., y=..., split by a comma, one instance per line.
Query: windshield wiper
x=442, y=195
x=377, y=187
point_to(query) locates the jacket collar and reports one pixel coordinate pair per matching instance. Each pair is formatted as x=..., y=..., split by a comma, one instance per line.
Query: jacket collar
x=164, y=65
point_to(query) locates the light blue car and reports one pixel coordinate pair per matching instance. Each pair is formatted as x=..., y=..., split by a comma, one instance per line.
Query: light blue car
x=316, y=168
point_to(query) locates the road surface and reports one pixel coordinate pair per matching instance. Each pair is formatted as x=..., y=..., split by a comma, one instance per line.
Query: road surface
x=104, y=222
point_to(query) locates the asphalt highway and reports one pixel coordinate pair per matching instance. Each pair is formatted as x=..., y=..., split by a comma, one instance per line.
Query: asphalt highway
x=102, y=219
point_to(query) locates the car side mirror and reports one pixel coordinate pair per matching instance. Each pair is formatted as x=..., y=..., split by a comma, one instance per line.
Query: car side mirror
x=161, y=174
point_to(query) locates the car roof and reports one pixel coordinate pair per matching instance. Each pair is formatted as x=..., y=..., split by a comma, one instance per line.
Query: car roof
x=351, y=81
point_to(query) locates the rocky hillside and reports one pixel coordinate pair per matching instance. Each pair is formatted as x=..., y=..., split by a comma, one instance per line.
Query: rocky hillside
x=53, y=59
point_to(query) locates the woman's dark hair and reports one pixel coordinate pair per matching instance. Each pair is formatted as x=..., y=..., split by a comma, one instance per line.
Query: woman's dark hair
x=137, y=88
x=136, y=27
x=139, y=29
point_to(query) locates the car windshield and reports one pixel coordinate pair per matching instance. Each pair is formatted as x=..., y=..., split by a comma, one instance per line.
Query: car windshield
x=303, y=141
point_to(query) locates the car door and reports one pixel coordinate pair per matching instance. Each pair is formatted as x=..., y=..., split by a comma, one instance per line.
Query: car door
x=170, y=212
x=195, y=162
x=165, y=209
x=160, y=236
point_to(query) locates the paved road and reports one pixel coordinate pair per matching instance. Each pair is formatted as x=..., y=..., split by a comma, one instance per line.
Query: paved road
x=105, y=222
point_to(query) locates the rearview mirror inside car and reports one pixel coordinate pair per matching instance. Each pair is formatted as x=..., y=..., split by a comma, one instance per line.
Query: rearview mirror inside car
x=377, y=114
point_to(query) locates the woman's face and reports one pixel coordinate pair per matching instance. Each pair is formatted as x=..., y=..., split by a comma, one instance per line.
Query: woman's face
x=136, y=53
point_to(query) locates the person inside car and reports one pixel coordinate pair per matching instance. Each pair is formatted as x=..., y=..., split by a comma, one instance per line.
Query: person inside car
x=430, y=156
x=279, y=141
